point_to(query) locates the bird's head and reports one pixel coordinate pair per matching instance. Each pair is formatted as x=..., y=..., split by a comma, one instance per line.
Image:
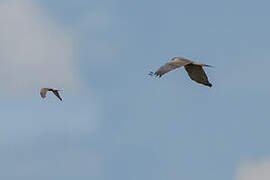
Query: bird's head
x=175, y=58
x=178, y=58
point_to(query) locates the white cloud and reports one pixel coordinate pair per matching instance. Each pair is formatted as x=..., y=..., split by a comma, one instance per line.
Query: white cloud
x=34, y=51
x=254, y=170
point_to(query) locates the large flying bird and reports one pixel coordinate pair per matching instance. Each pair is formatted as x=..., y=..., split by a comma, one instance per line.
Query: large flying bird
x=43, y=92
x=194, y=69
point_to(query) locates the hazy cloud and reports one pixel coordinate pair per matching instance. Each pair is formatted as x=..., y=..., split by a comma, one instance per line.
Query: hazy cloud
x=34, y=50
x=254, y=170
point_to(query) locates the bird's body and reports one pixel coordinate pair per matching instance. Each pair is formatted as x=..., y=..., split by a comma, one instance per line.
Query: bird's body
x=43, y=92
x=194, y=69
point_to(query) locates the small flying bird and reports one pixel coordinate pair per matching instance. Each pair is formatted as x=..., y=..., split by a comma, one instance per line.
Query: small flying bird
x=194, y=69
x=43, y=92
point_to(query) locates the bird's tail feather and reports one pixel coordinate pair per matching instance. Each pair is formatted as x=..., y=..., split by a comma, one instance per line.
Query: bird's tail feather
x=207, y=65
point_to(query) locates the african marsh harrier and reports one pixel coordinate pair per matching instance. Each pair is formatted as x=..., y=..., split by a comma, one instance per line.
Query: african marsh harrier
x=194, y=69
x=44, y=91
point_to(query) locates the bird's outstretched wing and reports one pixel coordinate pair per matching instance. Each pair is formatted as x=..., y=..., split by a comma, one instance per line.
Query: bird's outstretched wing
x=196, y=73
x=55, y=92
x=43, y=92
x=169, y=66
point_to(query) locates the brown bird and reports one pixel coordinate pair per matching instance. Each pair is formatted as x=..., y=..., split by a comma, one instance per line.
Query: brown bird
x=194, y=69
x=43, y=92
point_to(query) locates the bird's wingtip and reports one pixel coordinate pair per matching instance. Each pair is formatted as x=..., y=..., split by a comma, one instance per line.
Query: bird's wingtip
x=156, y=74
x=151, y=73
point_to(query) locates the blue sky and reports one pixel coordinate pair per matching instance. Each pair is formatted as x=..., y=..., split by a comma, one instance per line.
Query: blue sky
x=115, y=122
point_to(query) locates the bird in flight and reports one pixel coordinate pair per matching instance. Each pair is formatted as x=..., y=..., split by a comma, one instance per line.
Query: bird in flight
x=43, y=92
x=194, y=69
